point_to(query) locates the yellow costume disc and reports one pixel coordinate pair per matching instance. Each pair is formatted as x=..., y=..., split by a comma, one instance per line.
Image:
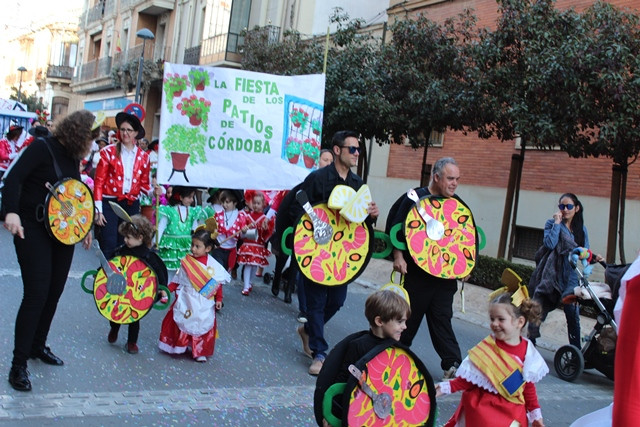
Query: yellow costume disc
x=454, y=255
x=70, y=221
x=138, y=296
x=340, y=260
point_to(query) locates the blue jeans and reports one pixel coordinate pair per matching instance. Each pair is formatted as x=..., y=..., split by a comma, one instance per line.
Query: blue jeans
x=302, y=297
x=109, y=238
x=322, y=303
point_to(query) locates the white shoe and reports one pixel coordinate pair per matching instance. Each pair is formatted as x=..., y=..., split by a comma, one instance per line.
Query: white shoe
x=201, y=359
x=316, y=366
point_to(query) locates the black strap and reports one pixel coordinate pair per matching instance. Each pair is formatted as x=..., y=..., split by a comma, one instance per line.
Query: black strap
x=55, y=162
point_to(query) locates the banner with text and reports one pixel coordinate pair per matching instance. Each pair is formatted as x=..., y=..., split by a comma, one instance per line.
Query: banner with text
x=227, y=128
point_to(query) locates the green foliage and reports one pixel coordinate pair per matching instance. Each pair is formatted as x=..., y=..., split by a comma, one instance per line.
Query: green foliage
x=488, y=272
x=199, y=77
x=31, y=100
x=125, y=76
x=173, y=85
x=183, y=139
x=423, y=78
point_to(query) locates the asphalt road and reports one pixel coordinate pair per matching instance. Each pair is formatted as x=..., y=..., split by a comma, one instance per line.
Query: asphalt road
x=257, y=377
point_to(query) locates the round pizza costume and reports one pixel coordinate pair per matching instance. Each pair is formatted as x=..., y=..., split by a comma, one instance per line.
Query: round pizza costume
x=434, y=266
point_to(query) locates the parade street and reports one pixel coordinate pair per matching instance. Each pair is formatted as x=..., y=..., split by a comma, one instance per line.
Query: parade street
x=257, y=376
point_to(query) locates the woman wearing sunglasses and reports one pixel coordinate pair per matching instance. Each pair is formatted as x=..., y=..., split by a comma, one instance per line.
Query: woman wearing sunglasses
x=554, y=278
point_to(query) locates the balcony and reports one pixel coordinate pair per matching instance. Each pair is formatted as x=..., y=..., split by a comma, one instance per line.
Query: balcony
x=99, y=68
x=59, y=72
x=97, y=12
x=221, y=48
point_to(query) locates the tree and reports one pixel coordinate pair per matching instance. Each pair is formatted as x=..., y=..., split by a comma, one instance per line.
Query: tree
x=607, y=102
x=422, y=81
x=32, y=101
x=523, y=81
x=350, y=92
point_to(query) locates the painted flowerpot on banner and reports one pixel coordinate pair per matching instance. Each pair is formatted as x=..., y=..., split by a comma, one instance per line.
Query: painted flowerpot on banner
x=293, y=150
x=195, y=120
x=179, y=160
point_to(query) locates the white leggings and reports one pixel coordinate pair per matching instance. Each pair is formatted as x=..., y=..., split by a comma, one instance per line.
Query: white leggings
x=249, y=271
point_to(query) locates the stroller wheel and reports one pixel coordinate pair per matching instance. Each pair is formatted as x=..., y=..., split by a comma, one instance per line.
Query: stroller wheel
x=267, y=278
x=568, y=362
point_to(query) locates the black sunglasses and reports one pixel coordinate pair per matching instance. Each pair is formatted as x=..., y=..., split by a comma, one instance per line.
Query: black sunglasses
x=569, y=206
x=352, y=148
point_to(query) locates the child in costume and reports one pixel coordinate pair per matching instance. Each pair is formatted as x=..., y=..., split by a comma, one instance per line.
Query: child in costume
x=191, y=320
x=177, y=221
x=253, y=252
x=387, y=313
x=137, y=242
x=231, y=222
x=498, y=376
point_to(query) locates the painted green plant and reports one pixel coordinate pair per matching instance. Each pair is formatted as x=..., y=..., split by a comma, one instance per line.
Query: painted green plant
x=196, y=109
x=316, y=126
x=299, y=118
x=173, y=85
x=293, y=147
x=311, y=148
x=199, y=78
x=185, y=139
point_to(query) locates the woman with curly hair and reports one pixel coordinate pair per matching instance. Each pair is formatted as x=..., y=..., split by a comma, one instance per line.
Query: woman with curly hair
x=24, y=198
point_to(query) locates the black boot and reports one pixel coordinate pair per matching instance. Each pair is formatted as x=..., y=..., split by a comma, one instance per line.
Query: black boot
x=47, y=356
x=19, y=378
x=275, y=287
x=287, y=291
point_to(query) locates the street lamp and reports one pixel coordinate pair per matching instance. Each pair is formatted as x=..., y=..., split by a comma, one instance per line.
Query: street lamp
x=145, y=35
x=22, y=70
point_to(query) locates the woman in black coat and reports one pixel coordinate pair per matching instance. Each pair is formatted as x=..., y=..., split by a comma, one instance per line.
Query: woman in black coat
x=24, y=196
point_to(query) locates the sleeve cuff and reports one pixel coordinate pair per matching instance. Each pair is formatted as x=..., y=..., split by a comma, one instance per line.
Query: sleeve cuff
x=98, y=204
x=445, y=387
x=536, y=414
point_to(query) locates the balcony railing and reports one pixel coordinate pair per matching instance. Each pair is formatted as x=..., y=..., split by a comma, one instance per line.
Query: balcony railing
x=192, y=55
x=59, y=72
x=95, y=69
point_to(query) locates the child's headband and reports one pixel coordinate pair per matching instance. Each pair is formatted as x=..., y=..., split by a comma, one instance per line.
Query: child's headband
x=211, y=226
x=513, y=284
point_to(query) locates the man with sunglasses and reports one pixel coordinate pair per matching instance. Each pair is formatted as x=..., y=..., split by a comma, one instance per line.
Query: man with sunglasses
x=324, y=301
x=431, y=297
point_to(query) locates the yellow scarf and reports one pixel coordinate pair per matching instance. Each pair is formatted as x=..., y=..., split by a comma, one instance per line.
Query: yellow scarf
x=502, y=370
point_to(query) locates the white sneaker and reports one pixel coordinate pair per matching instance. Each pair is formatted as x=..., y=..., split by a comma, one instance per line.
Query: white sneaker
x=201, y=359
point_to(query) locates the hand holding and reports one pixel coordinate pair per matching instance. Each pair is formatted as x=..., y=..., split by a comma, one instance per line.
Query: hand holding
x=373, y=210
x=557, y=217
x=399, y=264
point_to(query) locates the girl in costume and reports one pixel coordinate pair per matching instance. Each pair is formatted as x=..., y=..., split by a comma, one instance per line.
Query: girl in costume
x=137, y=242
x=498, y=376
x=177, y=221
x=191, y=320
x=231, y=222
x=253, y=252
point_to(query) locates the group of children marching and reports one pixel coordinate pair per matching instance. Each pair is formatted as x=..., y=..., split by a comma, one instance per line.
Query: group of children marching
x=203, y=245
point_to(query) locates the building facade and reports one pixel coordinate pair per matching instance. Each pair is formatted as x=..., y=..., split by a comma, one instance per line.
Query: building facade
x=485, y=164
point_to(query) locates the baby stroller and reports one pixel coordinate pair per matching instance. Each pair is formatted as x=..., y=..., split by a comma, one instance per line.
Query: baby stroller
x=598, y=351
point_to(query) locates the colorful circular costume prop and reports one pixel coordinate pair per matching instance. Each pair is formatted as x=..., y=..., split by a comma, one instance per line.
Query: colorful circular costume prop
x=69, y=211
x=339, y=261
x=138, y=297
x=454, y=255
x=394, y=371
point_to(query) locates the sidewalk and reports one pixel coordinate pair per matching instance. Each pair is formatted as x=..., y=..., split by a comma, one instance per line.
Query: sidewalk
x=476, y=298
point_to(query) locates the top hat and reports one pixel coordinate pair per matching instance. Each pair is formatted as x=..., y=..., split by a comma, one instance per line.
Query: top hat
x=39, y=131
x=133, y=120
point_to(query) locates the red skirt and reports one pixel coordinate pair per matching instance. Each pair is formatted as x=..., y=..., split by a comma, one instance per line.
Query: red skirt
x=174, y=341
x=480, y=407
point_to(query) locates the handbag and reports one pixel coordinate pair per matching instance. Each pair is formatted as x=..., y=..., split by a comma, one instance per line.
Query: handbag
x=397, y=288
